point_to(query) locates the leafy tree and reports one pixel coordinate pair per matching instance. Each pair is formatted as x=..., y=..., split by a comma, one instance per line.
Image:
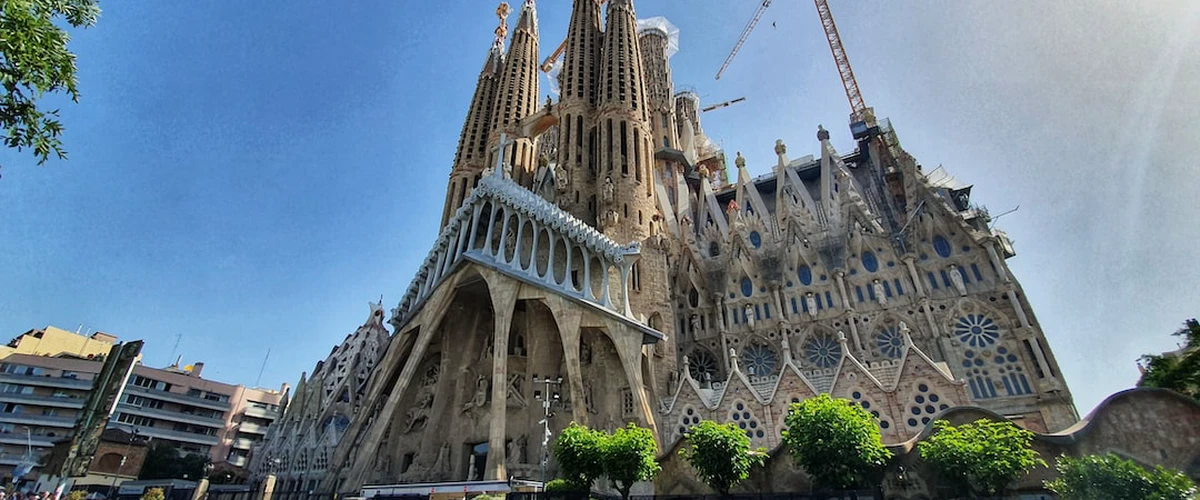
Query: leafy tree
x=34, y=60
x=1110, y=477
x=1178, y=371
x=579, y=452
x=77, y=495
x=629, y=457
x=982, y=457
x=835, y=441
x=721, y=454
x=163, y=462
x=153, y=494
x=560, y=486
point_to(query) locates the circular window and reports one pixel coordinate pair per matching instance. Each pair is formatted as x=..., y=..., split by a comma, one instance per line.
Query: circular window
x=805, y=275
x=890, y=343
x=823, y=351
x=755, y=239
x=976, y=330
x=869, y=262
x=759, y=359
x=747, y=287
x=701, y=364
x=941, y=246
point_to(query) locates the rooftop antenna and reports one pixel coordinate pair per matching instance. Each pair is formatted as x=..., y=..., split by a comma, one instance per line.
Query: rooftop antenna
x=175, y=350
x=264, y=366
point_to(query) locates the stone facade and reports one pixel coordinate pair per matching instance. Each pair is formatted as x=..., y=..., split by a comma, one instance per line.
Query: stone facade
x=624, y=266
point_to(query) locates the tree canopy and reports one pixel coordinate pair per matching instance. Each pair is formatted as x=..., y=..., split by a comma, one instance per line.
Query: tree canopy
x=835, y=441
x=34, y=61
x=164, y=462
x=1109, y=477
x=983, y=457
x=1178, y=371
x=579, y=452
x=721, y=454
x=630, y=456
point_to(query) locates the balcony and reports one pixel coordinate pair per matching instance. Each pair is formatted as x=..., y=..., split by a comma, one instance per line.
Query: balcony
x=243, y=443
x=252, y=428
x=47, y=381
x=33, y=400
x=256, y=412
x=173, y=416
x=175, y=397
x=17, y=459
x=237, y=461
x=33, y=419
x=170, y=435
x=22, y=439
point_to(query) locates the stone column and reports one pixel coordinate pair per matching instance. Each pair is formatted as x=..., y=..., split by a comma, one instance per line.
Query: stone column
x=504, y=297
x=916, y=278
x=997, y=263
x=841, y=281
x=1016, y=304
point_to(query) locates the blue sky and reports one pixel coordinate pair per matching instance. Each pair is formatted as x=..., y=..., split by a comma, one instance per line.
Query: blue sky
x=248, y=175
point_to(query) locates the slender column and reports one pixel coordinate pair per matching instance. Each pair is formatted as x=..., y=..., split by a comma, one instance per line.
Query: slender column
x=1016, y=304
x=474, y=226
x=841, y=281
x=779, y=304
x=625, y=266
x=503, y=238
x=933, y=329
x=519, y=243
x=533, y=251
x=587, y=274
x=549, y=277
x=606, y=299
x=997, y=263
x=1040, y=357
x=854, y=332
x=487, y=242
x=916, y=278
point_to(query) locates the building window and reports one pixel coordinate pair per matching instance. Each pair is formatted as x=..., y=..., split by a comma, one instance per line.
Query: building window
x=635, y=277
x=627, y=402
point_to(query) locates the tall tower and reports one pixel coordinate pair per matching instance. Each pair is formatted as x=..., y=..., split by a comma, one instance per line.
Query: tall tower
x=576, y=110
x=658, y=39
x=626, y=188
x=628, y=202
x=469, y=160
x=517, y=97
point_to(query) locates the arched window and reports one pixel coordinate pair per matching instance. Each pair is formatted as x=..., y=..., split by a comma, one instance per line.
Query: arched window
x=747, y=287
x=714, y=249
x=755, y=239
x=805, y=275
x=941, y=246
x=869, y=262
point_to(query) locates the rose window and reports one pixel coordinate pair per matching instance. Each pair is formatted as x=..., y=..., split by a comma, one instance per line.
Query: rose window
x=890, y=342
x=976, y=330
x=823, y=351
x=700, y=363
x=760, y=360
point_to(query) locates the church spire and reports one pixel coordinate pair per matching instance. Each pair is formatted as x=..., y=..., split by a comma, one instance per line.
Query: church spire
x=472, y=141
x=575, y=109
x=625, y=137
x=517, y=98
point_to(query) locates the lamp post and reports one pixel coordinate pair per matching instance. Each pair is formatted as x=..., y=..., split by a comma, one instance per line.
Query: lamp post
x=124, y=456
x=549, y=397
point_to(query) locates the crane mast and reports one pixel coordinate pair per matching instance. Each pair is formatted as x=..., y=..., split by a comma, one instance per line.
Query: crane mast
x=857, y=106
x=745, y=34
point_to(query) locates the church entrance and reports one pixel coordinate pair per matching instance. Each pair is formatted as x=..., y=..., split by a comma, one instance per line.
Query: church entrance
x=476, y=455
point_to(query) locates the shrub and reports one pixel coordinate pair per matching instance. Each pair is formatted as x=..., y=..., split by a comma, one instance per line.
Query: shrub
x=982, y=457
x=1110, y=477
x=721, y=454
x=836, y=441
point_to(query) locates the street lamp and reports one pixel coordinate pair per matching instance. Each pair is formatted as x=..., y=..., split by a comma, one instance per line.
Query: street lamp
x=132, y=437
x=549, y=397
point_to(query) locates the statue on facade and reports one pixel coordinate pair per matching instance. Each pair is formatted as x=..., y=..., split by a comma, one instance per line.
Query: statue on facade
x=880, y=293
x=609, y=190
x=479, y=398
x=780, y=147
x=588, y=400
x=561, y=178
x=957, y=279
x=696, y=325
x=585, y=353
x=748, y=312
x=442, y=464
x=811, y=301
x=740, y=161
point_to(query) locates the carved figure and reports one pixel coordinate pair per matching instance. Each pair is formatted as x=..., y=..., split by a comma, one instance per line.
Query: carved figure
x=957, y=279
x=609, y=190
x=561, y=178
x=880, y=296
x=442, y=464
x=740, y=161
x=748, y=311
x=585, y=353
x=480, y=397
x=811, y=301
x=588, y=401
x=695, y=324
x=516, y=393
x=780, y=147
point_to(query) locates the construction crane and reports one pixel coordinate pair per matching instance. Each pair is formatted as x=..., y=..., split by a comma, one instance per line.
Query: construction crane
x=862, y=121
x=857, y=107
x=722, y=105
x=745, y=34
x=548, y=63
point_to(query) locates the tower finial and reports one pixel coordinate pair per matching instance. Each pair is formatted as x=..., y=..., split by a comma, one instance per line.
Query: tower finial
x=502, y=12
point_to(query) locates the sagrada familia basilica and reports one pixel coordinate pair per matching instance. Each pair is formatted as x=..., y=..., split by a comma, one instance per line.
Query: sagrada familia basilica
x=599, y=262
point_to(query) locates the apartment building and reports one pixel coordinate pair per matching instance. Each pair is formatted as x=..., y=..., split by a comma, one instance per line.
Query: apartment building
x=46, y=375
